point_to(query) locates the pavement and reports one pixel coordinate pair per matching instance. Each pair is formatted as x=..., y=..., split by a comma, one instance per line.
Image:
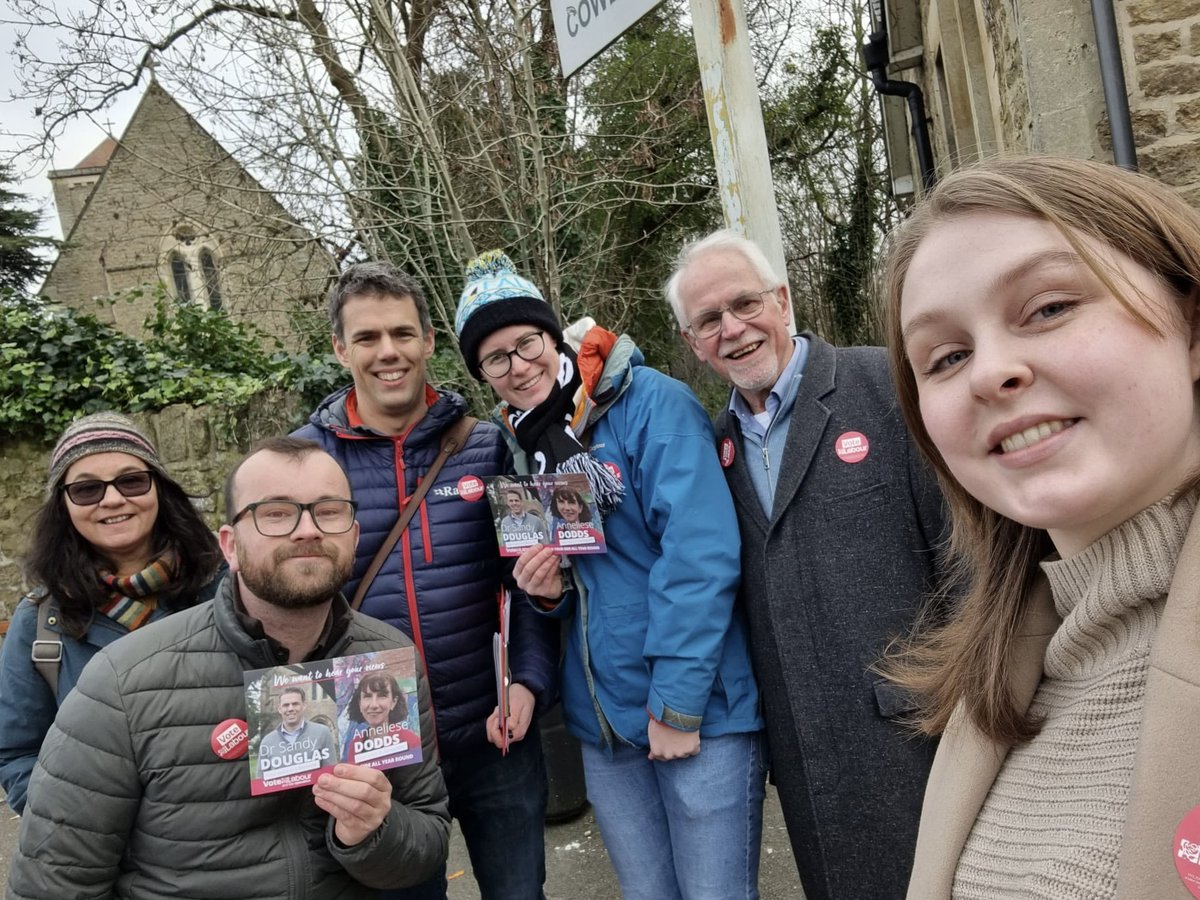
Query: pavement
x=8, y=839
x=577, y=866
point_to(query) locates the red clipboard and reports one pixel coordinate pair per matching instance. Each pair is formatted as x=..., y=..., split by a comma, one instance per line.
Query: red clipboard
x=500, y=657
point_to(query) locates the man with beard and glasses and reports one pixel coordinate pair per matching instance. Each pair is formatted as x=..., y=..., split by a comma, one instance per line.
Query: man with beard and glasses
x=142, y=788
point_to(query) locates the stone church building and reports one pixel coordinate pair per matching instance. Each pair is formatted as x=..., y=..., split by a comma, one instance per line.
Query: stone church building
x=1017, y=76
x=166, y=203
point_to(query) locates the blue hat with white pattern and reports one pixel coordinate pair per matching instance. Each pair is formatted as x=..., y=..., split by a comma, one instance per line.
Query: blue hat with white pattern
x=496, y=296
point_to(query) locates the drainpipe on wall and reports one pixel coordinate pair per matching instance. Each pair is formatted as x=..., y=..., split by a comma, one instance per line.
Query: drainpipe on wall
x=1112, y=77
x=875, y=55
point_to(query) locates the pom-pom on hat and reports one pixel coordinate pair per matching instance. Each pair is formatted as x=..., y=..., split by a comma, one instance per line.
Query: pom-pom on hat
x=495, y=297
x=103, y=432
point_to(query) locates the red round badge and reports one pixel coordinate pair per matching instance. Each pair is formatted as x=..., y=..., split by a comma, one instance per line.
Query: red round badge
x=612, y=467
x=231, y=739
x=727, y=453
x=852, y=446
x=1187, y=851
x=470, y=488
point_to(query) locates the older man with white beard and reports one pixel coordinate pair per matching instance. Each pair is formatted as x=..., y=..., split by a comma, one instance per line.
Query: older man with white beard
x=142, y=788
x=840, y=523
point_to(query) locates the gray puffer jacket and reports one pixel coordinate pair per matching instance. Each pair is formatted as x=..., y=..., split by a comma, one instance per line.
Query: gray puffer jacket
x=129, y=800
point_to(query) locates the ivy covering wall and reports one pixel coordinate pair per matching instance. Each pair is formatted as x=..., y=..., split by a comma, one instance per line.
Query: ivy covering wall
x=57, y=364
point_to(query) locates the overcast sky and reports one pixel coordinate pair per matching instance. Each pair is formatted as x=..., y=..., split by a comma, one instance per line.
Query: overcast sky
x=17, y=123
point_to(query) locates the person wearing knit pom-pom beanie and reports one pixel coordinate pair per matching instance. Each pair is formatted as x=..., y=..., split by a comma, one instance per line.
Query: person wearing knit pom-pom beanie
x=656, y=677
x=440, y=582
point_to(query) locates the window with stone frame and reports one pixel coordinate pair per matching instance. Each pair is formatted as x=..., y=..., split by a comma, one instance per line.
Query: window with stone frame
x=190, y=264
x=180, y=279
x=212, y=278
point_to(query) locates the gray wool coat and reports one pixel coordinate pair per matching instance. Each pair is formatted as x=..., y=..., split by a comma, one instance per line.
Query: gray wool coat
x=844, y=563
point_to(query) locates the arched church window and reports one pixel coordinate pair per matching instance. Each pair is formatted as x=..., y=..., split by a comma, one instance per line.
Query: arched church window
x=179, y=275
x=212, y=281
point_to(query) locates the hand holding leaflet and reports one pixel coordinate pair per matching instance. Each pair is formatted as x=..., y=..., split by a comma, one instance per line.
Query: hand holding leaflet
x=358, y=798
x=538, y=572
x=310, y=717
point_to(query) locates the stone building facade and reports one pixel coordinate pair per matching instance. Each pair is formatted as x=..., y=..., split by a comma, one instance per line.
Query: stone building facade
x=1015, y=76
x=165, y=203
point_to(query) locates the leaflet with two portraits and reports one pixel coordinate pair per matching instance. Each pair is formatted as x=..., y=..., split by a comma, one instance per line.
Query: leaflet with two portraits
x=305, y=718
x=556, y=510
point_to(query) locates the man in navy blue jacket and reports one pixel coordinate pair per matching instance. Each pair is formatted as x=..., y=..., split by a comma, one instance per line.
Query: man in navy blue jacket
x=840, y=523
x=440, y=584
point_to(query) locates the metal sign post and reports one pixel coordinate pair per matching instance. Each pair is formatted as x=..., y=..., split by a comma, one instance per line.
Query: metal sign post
x=586, y=27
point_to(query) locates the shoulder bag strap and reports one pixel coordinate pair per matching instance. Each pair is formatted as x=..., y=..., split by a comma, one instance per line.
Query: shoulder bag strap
x=452, y=441
x=47, y=648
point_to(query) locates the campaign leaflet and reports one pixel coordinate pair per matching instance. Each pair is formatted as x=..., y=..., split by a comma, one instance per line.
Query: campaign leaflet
x=556, y=510
x=306, y=718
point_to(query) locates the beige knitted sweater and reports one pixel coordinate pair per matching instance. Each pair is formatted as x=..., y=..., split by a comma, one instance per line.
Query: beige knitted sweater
x=1050, y=827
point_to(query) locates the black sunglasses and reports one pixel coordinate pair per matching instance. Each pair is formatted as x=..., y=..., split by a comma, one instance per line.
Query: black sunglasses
x=92, y=491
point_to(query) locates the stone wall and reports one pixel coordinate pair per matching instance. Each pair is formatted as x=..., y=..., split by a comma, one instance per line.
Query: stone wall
x=1043, y=77
x=1162, y=71
x=1016, y=120
x=1008, y=76
x=198, y=446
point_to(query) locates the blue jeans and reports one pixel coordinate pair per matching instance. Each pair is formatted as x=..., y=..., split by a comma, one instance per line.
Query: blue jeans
x=500, y=804
x=689, y=829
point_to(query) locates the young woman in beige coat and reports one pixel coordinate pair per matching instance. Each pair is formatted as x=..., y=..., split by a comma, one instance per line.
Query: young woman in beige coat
x=1043, y=332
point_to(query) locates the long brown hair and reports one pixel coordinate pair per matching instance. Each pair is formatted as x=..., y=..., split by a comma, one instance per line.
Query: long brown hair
x=967, y=659
x=60, y=561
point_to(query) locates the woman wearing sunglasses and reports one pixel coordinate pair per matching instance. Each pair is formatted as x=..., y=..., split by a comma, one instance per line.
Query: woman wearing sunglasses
x=116, y=545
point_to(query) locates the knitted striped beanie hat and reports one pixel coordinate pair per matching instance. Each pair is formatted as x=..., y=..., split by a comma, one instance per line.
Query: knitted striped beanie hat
x=103, y=432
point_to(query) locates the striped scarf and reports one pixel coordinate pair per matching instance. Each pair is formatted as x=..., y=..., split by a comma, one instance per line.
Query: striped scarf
x=132, y=599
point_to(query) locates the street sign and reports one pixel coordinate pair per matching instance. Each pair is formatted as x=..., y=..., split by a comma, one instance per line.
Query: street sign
x=585, y=27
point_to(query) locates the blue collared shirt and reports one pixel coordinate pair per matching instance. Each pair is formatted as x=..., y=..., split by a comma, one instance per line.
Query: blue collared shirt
x=764, y=434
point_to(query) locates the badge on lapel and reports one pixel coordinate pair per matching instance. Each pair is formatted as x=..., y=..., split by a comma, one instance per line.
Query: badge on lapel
x=231, y=739
x=470, y=488
x=852, y=446
x=727, y=453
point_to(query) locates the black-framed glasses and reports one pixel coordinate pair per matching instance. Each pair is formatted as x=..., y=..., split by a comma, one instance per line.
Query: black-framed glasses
x=529, y=348
x=279, y=518
x=745, y=308
x=92, y=491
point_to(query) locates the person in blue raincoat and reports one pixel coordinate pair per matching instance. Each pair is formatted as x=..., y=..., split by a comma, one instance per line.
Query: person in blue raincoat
x=656, y=676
